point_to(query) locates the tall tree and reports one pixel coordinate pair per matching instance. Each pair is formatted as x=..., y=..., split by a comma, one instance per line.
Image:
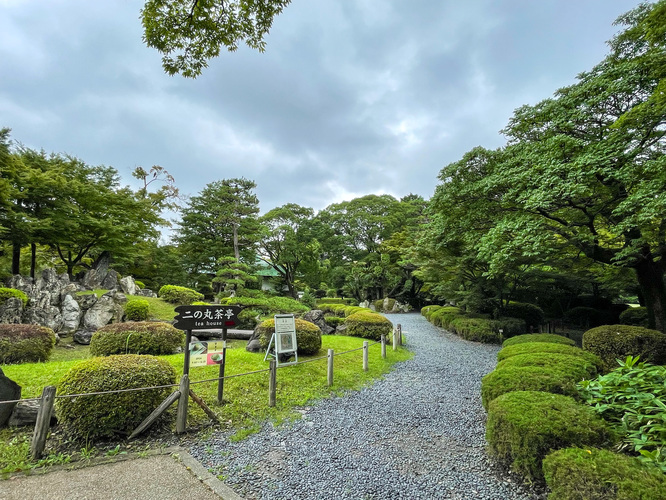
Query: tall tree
x=188, y=33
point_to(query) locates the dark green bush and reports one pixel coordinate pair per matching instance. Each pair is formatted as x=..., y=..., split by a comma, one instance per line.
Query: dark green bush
x=179, y=294
x=475, y=329
x=8, y=293
x=336, y=300
x=368, y=325
x=594, y=474
x=632, y=397
x=636, y=316
x=91, y=417
x=547, y=348
x=336, y=309
x=613, y=342
x=379, y=305
x=510, y=326
x=141, y=337
x=333, y=321
x=533, y=315
x=269, y=306
x=588, y=317
x=137, y=310
x=577, y=364
x=538, y=337
x=21, y=343
x=349, y=310
x=139, y=284
x=524, y=426
x=427, y=311
x=308, y=335
x=443, y=316
x=556, y=379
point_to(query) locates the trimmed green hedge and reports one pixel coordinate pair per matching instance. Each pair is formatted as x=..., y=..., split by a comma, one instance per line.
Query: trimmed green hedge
x=538, y=337
x=531, y=314
x=20, y=343
x=141, y=337
x=636, y=316
x=578, y=364
x=524, y=426
x=443, y=316
x=612, y=342
x=107, y=415
x=475, y=329
x=556, y=379
x=548, y=348
x=308, y=335
x=428, y=311
x=379, y=305
x=596, y=474
x=336, y=300
x=333, y=321
x=368, y=325
x=179, y=294
x=137, y=310
x=8, y=293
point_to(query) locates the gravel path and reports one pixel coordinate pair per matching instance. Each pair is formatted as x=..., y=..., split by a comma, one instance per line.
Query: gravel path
x=417, y=434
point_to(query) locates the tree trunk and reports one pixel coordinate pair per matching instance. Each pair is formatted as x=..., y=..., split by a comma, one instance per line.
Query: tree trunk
x=236, y=249
x=651, y=280
x=33, y=259
x=16, y=258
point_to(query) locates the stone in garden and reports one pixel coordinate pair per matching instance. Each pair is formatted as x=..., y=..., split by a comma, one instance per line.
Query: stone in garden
x=71, y=315
x=11, y=310
x=92, y=280
x=83, y=337
x=108, y=309
x=146, y=292
x=367, y=304
x=254, y=345
x=9, y=391
x=23, y=283
x=317, y=317
x=51, y=282
x=128, y=286
x=86, y=301
x=48, y=316
x=110, y=281
x=25, y=413
x=341, y=329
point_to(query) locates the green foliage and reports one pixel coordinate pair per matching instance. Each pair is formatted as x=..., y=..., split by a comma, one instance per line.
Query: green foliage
x=597, y=474
x=632, y=398
x=533, y=315
x=635, y=316
x=232, y=275
x=368, y=325
x=616, y=342
x=349, y=310
x=308, y=300
x=552, y=360
x=334, y=321
x=538, y=337
x=25, y=343
x=189, y=34
x=179, y=294
x=137, y=310
x=428, y=311
x=139, y=284
x=559, y=378
x=142, y=337
x=475, y=329
x=92, y=417
x=511, y=327
x=549, y=348
x=308, y=335
x=6, y=293
x=524, y=426
x=379, y=305
x=334, y=300
x=587, y=317
x=443, y=316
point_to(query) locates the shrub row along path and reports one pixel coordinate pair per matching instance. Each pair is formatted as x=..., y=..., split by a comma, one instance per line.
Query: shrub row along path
x=417, y=434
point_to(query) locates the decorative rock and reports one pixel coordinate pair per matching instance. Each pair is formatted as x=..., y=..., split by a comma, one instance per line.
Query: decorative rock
x=11, y=310
x=341, y=329
x=9, y=391
x=110, y=281
x=25, y=413
x=146, y=292
x=128, y=286
x=367, y=304
x=52, y=283
x=70, y=290
x=23, y=283
x=254, y=346
x=71, y=315
x=83, y=337
x=86, y=301
x=108, y=309
x=317, y=317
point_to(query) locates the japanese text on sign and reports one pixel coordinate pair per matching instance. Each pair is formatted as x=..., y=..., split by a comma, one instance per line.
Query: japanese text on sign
x=202, y=317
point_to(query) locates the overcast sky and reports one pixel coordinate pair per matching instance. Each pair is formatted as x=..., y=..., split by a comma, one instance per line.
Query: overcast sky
x=351, y=97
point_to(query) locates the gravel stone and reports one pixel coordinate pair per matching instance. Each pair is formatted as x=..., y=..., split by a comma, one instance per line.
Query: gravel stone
x=418, y=434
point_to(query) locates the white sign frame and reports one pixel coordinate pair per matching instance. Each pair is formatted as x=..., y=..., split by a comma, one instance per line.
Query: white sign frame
x=284, y=337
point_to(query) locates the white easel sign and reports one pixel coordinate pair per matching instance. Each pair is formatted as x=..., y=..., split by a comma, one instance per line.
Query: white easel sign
x=284, y=338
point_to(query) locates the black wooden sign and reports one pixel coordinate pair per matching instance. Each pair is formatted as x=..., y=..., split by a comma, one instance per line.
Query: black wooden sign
x=206, y=317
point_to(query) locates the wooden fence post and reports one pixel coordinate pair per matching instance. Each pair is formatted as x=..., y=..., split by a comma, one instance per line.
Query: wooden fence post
x=330, y=367
x=384, y=346
x=399, y=334
x=43, y=421
x=395, y=339
x=365, y=355
x=272, y=383
x=181, y=414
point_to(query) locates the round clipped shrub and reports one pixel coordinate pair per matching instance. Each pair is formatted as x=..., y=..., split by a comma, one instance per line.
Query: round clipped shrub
x=510, y=326
x=548, y=348
x=25, y=343
x=556, y=379
x=538, y=337
x=612, y=342
x=379, y=305
x=137, y=310
x=368, y=325
x=139, y=284
x=141, y=337
x=333, y=321
x=8, y=293
x=596, y=474
x=349, y=310
x=106, y=415
x=586, y=317
x=427, y=311
x=524, y=426
x=533, y=315
x=179, y=294
x=475, y=329
x=578, y=364
x=308, y=335
x=636, y=316
x=444, y=316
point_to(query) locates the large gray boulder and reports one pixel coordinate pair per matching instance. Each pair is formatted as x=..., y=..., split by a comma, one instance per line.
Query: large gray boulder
x=110, y=281
x=109, y=308
x=71, y=315
x=317, y=317
x=83, y=337
x=9, y=391
x=52, y=283
x=23, y=283
x=128, y=285
x=86, y=301
x=92, y=279
x=44, y=316
x=11, y=311
x=146, y=292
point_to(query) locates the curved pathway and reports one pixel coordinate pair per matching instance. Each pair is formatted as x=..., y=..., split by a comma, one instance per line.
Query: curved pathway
x=417, y=434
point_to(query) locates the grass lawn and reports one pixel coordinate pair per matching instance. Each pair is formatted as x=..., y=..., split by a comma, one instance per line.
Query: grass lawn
x=246, y=397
